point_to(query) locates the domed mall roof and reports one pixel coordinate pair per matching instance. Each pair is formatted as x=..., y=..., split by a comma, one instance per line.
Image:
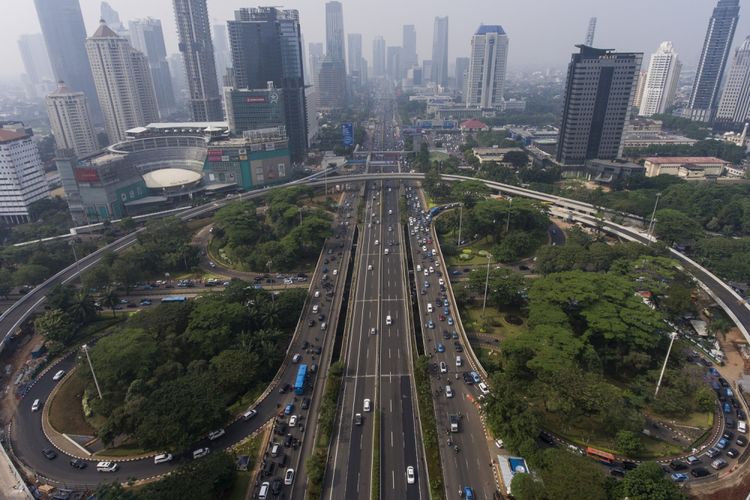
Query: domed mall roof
x=171, y=178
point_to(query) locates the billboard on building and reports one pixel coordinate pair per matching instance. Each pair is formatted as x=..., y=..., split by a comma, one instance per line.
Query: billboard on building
x=347, y=134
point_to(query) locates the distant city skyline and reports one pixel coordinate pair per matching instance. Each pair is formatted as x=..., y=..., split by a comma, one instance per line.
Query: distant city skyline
x=557, y=26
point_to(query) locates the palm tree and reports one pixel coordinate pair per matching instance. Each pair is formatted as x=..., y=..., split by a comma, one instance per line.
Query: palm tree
x=82, y=310
x=111, y=300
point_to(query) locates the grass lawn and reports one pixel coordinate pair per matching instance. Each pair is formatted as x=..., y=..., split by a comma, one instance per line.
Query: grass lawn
x=251, y=448
x=493, y=323
x=240, y=486
x=476, y=259
x=66, y=411
x=124, y=450
x=698, y=419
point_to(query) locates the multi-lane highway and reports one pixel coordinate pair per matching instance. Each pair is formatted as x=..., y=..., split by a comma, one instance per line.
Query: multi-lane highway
x=464, y=453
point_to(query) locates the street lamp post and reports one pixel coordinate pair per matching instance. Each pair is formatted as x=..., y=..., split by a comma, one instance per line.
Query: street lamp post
x=486, y=284
x=72, y=244
x=85, y=349
x=672, y=336
x=507, y=223
x=460, y=222
x=652, y=223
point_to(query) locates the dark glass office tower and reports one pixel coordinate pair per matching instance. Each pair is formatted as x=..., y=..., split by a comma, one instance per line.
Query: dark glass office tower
x=598, y=95
x=704, y=98
x=65, y=36
x=266, y=46
x=194, y=34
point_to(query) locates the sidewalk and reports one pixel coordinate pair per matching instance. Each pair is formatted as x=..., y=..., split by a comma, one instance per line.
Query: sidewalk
x=11, y=484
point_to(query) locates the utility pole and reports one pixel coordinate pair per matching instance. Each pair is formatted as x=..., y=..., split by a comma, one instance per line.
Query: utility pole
x=72, y=244
x=85, y=349
x=460, y=221
x=486, y=284
x=653, y=219
x=672, y=336
x=507, y=223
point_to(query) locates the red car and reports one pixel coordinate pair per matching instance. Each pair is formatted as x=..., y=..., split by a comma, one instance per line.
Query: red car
x=441, y=317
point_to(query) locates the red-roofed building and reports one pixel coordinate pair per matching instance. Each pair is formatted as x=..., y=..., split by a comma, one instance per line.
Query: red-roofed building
x=473, y=125
x=687, y=167
x=22, y=181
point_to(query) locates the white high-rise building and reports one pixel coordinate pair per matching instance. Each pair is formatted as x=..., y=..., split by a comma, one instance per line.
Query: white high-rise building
x=440, y=51
x=70, y=120
x=335, y=31
x=123, y=83
x=22, y=179
x=661, y=80
x=486, y=76
x=735, y=101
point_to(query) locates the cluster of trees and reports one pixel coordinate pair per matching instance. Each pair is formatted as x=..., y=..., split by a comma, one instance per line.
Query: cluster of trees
x=69, y=311
x=561, y=476
x=49, y=217
x=279, y=238
x=169, y=374
x=724, y=150
x=205, y=479
x=684, y=126
x=517, y=229
x=504, y=287
x=410, y=109
x=164, y=246
x=727, y=257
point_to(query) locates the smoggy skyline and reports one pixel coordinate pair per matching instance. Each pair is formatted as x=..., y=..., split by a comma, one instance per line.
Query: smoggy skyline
x=542, y=32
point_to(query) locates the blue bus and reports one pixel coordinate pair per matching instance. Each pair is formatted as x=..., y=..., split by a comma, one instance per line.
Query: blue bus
x=299, y=384
x=174, y=298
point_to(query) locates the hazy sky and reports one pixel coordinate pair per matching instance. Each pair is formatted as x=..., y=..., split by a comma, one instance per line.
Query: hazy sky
x=542, y=32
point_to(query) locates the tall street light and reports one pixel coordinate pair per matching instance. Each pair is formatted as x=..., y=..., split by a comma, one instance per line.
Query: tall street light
x=652, y=223
x=672, y=337
x=85, y=349
x=486, y=284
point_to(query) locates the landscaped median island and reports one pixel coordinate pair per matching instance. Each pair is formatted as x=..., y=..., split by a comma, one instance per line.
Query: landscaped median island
x=170, y=374
x=429, y=426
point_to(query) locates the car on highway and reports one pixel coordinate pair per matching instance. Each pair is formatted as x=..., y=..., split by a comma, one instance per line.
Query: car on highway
x=450, y=321
x=367, y=405
x=475, y=377
x=388, y=320
x=49, y=453
x=58, y=375
x=410, y=477
x=357, y=419
x=288, y=409
x=483, y=387
x=296, y=358
x=213, y=435
x=426, y=284
x=276, y=486
x=733, y=453
x=443, y=367
x=373, y=331
x=305, y=404
x=289, y=477
x=440, y=347
x=713, y=453
x=35, y=405
x=162, y=458
x=458, y=347
x=292, y=420
x=201, y=452
x=719, y=463
x=107, y=466
x=77, y=463
x=723, y=442
x=431, y=325
x=741, y=441
x=263, y=491
x=467, y=379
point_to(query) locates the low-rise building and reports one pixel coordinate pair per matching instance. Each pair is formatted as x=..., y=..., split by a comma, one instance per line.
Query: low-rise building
x=687, y=167
x=608, y=171
x=496, y=155
x=473, y=126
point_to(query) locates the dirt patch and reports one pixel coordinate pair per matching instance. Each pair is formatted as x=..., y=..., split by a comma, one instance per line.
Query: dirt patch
x=66, y=412
x=513, y=320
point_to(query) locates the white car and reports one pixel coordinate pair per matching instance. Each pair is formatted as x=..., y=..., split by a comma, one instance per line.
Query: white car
x=367, y=405
x=443, y=367
x=163, y=458
x=426, y=272
x=441, y=281
x=377, y=242
x=201, y=452
x=107, y=466
x=216, y=434
x=292, y=420
x=59, y=375
x=289, y=477
x=432, y=269
x=317, y=294
x=483, y=387
x=410, y=478
x=35, y=405
x=373, y=331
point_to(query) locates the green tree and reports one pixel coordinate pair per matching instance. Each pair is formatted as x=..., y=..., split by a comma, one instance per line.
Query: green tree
x=565, y=476
x=673, y=226
x=504, y=288
x=524, y=487
x=111, y=299
x=648, y=482
x=517, y=158
x=469, y=192
x=206, y=479
x=629, y=443
x=30, y=274
x=56, y=325
x=6, y=283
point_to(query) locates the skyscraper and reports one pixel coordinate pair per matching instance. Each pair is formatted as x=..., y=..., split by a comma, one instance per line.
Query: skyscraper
x=409, y=47
x=65, y=37
x=194, y=34
x=378, y=56
x=22, y=182
x=719, y=35
x=34, y=57
x=486, y=76
x=70, y=121
x=440, y=51
x=112, y=18
x=462, y=70
x=315, y=54
x=266, y=46
x=734, y=105
x=598, y=95
x=146, y=35
x=335, y=31
x=332, y=89
x=661, y=80
x=221, y=52
x=354, y=54
x=640, y=86
x=123, y=83
x=393, y=62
